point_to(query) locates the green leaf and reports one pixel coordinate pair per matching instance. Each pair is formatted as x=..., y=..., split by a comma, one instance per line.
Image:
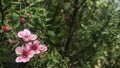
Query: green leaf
x=51, y=33
x=15, y=2
x=15, y=46
x=15, y=17
x=30, y=25
x=17, y=25
x=38, y=1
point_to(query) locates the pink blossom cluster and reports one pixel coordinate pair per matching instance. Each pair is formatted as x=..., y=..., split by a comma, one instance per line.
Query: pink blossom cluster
x=29, y=48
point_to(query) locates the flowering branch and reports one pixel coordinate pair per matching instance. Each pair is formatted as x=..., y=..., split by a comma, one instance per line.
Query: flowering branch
x=29, y=48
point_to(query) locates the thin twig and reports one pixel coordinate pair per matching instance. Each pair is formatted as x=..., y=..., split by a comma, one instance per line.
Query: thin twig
x=2, y=13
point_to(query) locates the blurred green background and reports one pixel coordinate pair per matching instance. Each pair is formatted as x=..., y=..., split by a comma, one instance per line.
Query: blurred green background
x=78, y=33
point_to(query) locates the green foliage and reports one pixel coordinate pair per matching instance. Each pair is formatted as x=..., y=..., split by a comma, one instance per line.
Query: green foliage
x=90, y=29
x=78, y=33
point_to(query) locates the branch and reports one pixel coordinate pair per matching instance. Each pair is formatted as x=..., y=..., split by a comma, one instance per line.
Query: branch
x=2, y=12
x=72, y=24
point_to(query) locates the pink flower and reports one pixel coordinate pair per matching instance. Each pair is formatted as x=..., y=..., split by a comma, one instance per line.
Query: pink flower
x=26, y=35
x=24, y=54
x=33, y=47
x=42, y=48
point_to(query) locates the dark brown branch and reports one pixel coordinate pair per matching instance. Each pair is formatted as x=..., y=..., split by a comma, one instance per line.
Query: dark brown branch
x=2, y=12
x=72, y=23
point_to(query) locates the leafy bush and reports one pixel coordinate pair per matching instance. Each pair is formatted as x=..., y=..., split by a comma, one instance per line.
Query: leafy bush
x=78, y=33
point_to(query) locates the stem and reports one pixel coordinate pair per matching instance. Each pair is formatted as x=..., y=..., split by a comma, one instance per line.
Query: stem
x=70, y=30
x=72, y=24
x=2, y=12
x=24, y=2
x=21, y=65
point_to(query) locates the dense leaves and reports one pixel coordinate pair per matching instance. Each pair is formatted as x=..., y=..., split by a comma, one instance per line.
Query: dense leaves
x=78, y=33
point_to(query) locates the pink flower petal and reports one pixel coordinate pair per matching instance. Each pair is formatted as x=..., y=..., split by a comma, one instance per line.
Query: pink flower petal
x=31, y=54
x=26, y=32
x=33, y=37
x=25, y=59
x=20, y=34
x=18, y=50
x=37, y=52
x=26, y=39
x=28, y=45
x=36, y=42
x=45, y=48
x=42, y=48
x=27, y=49
x=18, y=59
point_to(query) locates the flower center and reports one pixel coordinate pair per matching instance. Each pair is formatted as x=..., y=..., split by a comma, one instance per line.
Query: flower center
x=25, y=54
x=26, y=36
x=33, y=47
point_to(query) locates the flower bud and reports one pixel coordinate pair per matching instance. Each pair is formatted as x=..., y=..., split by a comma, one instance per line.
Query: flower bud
x=22, y=20
x=6, y=28
x=27, y=14
x=1, y=31
x=40, y=56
